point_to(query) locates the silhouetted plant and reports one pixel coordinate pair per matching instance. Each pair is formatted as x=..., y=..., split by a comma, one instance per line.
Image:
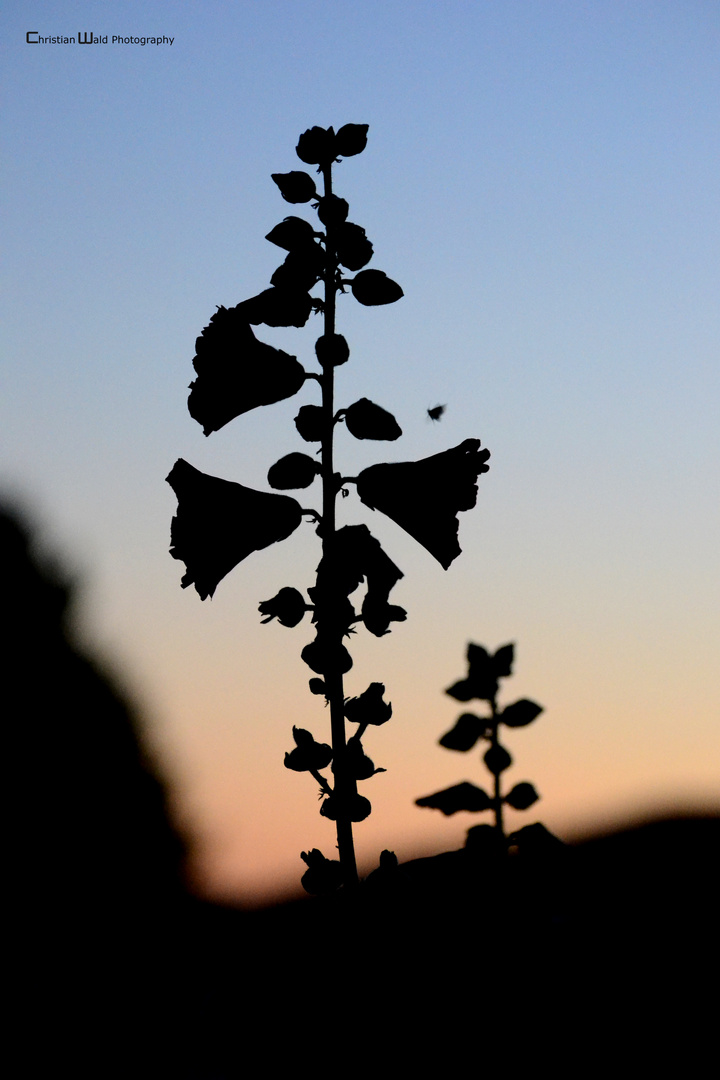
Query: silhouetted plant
x=219, y=523
x=484, y=673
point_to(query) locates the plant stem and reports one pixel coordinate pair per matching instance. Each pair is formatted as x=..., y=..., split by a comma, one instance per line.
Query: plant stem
x=497, y=795
x=345, y=785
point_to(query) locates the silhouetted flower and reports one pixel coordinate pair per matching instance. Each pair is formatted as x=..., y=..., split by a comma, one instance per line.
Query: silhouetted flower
x=369, y=707
x=316, y=146
x=355, y=807
x=295, y=187
x=424, y=497
x=332, y=350
x=465, y=796
x=288, y=607
x=366, y=420
x=308, y=755
x=325, y=655
x=219, y=523
x=293, y=471
x=292, y=233
x=236, y=372
x=352, y=246
x=374, y=287
x=357, y=555
x=332, y=210
x=323, y=875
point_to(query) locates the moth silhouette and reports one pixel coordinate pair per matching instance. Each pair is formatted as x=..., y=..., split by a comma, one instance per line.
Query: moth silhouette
x=436, y=412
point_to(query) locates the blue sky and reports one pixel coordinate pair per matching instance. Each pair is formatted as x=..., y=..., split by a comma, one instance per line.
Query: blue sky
x=541, y=178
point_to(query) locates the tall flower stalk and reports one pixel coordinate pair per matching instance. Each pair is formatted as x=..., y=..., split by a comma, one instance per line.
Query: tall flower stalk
x=219, y=523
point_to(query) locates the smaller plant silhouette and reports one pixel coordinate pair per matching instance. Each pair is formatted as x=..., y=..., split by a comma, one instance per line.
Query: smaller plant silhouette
x=482, y=683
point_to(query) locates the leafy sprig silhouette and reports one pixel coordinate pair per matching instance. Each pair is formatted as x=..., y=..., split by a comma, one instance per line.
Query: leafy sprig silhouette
x=219, y=523
x=485, y=670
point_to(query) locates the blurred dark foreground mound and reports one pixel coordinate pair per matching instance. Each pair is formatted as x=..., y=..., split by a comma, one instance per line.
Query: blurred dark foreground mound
x=605, y=953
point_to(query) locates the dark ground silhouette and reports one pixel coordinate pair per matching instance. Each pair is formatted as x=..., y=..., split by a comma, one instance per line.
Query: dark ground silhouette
x=606, y=951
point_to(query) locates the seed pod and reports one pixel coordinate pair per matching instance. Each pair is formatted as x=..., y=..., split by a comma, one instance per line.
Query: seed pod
x=309, y=422
x=332, y=350
x=293, y=471
x=373, y=288
x=295, y=187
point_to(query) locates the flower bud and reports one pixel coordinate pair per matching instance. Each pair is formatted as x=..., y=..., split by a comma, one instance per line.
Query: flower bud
x=351, y=139
x=369, y=707
x=309, y=422
x=295, y=187
x=316, y=146
x=332, y=209
x=332, y=350
x=293, y=471
x=373, y=288
x=366, y=420
x=288, y=607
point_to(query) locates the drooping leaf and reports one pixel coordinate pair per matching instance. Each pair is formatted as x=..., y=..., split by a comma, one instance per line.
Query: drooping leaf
x=373, y=288
x=332, y=350
x=219, y=523
x=425, y=497
x=369, y=707
x=292, y=233
x=236, y=372
x=522, y=796
x=520, y=713
x=465, y=796
x=466, y=732
x=351, y=139
x=293, y=471
x=287, y=606
x=309, y=423
x=295, y=187
x=366, y=420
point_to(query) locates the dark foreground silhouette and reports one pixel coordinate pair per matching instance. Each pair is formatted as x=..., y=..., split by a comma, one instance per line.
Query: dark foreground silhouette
x=564, y=957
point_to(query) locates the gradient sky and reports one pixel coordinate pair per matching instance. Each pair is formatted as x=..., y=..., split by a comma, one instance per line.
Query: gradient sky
x=541, y=177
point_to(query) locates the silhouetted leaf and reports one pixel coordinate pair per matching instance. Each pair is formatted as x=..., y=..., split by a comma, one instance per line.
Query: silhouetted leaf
x=481, y=682
x=316, y=146
x=277, y=307
x=327, y=656
x=308, y=755
x=292, y=233
x=373, y=288
x=309, y=423
x=332, y=210
x=352, y=246
x=351, y=139
x=295, y=187
x=521, y=713
x=424, y=497
x=219, y=523
x=366, y=420
x=332, y=350
x=463, y=796
x=497, y=759
x=369, y=707
x=522, y=796
x=293, y=471
x=288, y=607
x=468, y=729
x=236, y=372
x=355, y=807
x=502, y=661
x=323, y=875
